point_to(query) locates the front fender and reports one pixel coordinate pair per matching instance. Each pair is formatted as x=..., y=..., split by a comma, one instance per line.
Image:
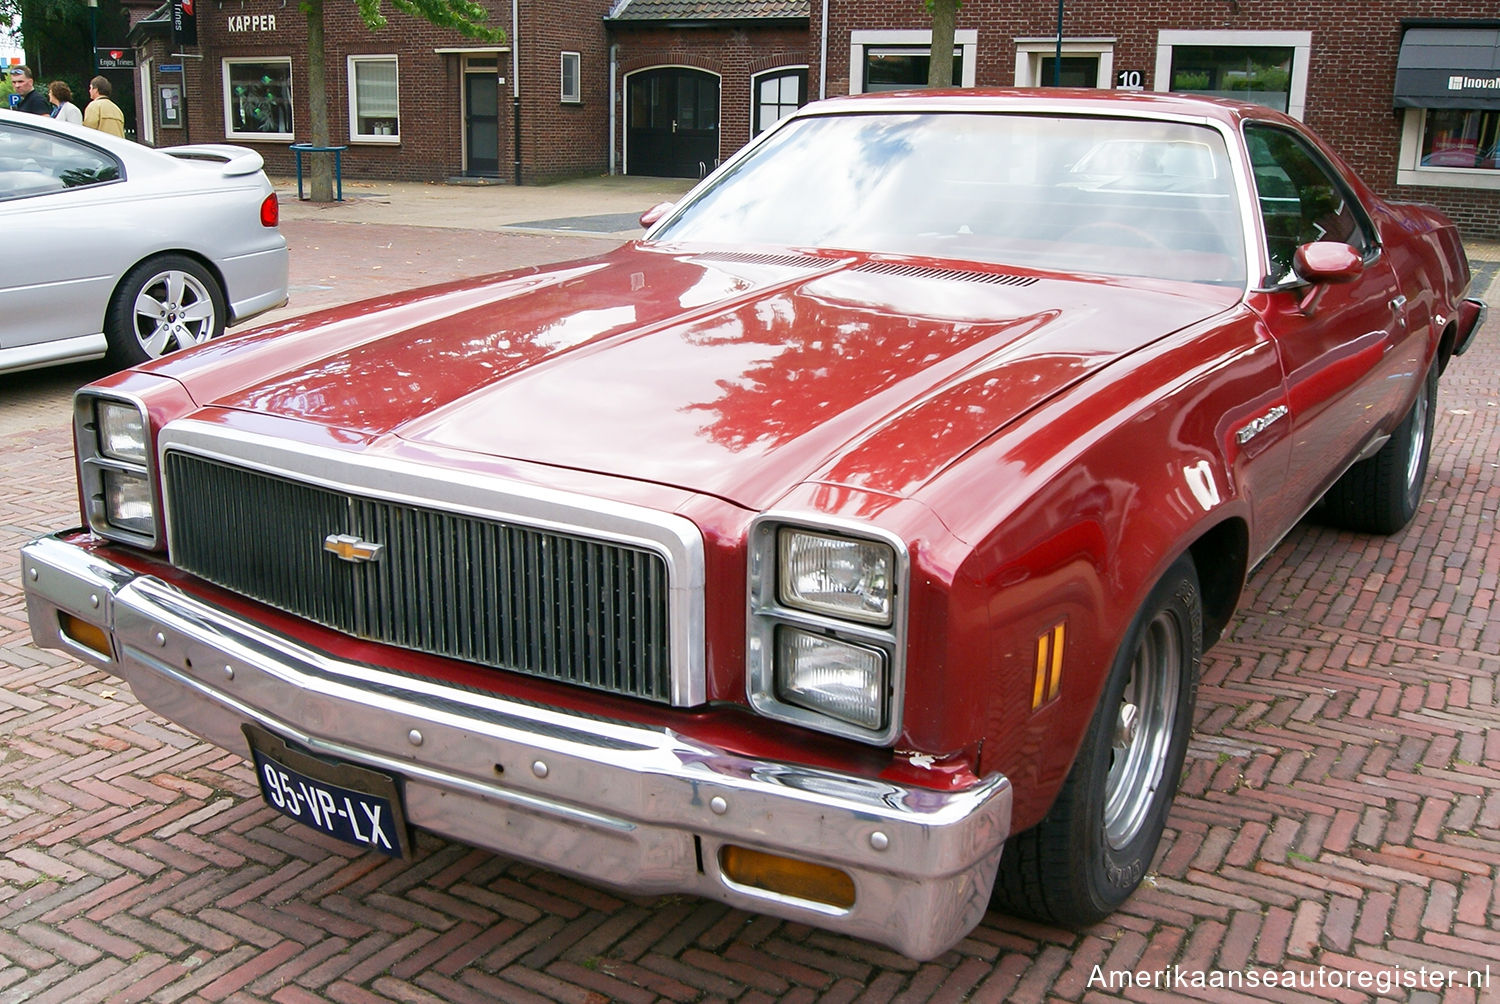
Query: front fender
x=1074, y=513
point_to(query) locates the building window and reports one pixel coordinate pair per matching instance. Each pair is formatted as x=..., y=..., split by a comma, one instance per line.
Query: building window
x=258, y=99
x=1450, y=148
x=1262, y=67
x=1258, y=74
x=777, y=94
x=1086, y=62
x=374, y=102
x=572, y=78
x=896, y=60
x=1456, y=137
x=902, y=68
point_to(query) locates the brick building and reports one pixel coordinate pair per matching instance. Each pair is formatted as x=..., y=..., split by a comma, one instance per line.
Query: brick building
x=1408, y=90
x=665, y=84
x=1372, y=77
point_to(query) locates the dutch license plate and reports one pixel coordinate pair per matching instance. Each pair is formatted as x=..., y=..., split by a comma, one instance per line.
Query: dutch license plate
x=354, y=804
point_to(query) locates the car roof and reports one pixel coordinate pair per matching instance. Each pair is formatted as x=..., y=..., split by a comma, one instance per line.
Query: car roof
x=1059, y=100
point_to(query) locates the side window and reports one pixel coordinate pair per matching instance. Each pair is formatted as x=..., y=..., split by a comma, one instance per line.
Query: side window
x=33, y=162
x=1301, y=199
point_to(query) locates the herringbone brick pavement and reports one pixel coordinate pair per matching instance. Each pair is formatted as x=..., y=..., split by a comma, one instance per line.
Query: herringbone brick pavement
x=1339, y=819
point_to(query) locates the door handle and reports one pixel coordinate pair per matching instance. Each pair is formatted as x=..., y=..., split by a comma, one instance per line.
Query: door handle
x=1399, y=303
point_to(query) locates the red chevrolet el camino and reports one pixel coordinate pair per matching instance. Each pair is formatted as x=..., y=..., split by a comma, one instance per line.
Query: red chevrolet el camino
x=843, y=550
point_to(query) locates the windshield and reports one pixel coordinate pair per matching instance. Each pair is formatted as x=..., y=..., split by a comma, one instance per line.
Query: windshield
x=1112, y=196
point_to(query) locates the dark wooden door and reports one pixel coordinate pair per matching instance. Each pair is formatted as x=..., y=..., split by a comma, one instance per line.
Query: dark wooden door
x=672, y=123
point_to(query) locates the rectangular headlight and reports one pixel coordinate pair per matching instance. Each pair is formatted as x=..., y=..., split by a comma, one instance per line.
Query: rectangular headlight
x=127, y=502
x=837, y=576
x=122, y=432
x=832, y=677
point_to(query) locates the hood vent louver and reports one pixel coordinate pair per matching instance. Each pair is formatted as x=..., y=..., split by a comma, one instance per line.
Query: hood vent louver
x=945, y=274
x=750, y=258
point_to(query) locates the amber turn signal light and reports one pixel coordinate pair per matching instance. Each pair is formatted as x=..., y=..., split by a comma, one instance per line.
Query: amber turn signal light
x=787, y=876
x=83, y=633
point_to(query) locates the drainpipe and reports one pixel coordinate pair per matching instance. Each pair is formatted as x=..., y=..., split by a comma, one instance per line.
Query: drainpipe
x=1057, y=60
x=823, y=57
x=614, y=69
x=515, y=86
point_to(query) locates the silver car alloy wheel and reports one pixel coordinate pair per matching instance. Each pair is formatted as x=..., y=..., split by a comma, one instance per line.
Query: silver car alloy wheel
x=173, y=310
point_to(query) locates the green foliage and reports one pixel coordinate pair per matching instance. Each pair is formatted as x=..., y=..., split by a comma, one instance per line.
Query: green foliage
x=55, y=36
x=463, y=16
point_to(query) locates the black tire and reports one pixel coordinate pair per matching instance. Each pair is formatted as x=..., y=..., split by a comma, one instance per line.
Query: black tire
x=1381, y=494
x=1080, y=863
x=163, y=304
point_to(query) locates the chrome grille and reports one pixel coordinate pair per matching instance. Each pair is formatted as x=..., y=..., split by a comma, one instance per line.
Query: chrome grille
x=539, y=602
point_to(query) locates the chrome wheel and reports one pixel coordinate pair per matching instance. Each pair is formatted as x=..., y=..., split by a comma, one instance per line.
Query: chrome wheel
x=1416, y=455
x=173, y=309
x=1143, y=729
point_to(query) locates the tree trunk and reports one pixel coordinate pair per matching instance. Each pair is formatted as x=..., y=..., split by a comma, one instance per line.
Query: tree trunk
x=320, y=164
x=940, y=67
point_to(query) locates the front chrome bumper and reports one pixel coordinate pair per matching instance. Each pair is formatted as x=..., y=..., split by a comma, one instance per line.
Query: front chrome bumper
x=637, y=808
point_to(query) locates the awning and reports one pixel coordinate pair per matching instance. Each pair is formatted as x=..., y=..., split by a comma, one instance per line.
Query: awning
x=1449, y=67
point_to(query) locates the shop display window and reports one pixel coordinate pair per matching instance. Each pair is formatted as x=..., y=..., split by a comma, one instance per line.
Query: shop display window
x=258, y=99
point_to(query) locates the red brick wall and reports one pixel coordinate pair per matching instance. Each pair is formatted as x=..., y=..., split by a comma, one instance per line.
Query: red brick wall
x=561, y=140
x=557, y=139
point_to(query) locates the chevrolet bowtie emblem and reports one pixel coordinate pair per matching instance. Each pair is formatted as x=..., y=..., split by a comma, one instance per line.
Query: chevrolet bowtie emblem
x=351, y=548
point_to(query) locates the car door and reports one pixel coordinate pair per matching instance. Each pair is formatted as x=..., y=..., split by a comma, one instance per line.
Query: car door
x=1341, y=344
x=59, y=272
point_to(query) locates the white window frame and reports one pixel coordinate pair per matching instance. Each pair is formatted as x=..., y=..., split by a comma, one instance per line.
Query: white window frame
x=263, y=137
x=354, y=135
x=576, y=97
x=1031, y=51
x=1409, y=169
x=1300, y=42
x=778, y=72
x=967, y=40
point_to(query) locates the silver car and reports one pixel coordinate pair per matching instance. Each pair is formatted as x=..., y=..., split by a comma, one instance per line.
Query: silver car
x=123, y=251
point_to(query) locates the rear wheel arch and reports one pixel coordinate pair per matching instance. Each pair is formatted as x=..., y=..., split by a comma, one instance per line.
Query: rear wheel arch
x=200, y=259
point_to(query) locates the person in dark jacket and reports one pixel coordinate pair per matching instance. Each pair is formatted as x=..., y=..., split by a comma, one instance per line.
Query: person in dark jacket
x=32, y=100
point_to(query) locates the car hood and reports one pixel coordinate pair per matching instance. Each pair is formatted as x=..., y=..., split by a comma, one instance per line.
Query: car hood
x=738, y=375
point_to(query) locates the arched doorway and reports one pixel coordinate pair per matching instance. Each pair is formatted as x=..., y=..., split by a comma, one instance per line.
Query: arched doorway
x=672, y=122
